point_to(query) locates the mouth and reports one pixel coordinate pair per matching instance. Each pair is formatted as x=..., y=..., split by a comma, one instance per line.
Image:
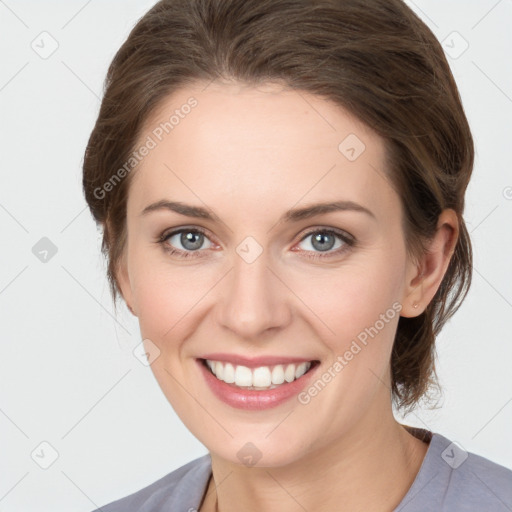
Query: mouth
x=258, y=378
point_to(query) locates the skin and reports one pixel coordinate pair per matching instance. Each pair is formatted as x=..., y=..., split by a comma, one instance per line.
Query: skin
x=249, y=154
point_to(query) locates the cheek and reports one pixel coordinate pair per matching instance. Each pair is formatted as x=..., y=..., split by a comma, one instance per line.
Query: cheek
x=353, y=297
x=166, y=295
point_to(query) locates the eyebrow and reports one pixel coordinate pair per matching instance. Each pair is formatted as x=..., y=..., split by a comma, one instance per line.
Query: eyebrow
x=292, y=215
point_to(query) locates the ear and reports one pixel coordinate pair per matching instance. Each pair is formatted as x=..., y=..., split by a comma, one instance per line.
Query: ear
x=425, y=276
x=124, y=284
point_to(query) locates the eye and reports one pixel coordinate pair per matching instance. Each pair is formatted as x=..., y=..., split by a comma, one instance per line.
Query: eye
x=321, y=243
x=187, y=242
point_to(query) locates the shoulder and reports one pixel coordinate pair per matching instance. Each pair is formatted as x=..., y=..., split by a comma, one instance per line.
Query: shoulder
x=451, y=478
x=182, y=489
x=476, y=482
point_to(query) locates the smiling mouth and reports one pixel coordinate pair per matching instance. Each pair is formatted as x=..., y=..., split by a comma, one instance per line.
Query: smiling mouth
x=260, y=378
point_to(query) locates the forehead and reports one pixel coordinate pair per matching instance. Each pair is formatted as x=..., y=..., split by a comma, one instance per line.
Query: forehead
x=217, y=140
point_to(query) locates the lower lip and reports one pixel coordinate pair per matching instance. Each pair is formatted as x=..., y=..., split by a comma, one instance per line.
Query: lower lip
x=251, y=399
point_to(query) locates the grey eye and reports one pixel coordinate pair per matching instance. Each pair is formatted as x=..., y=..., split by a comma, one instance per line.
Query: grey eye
x=322, y=241
x=189, y=239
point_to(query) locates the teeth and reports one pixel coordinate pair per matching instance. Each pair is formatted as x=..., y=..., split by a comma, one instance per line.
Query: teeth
x=289, y=373
x=301, y=370
x=229, y=373
x=263, y=377
x=219, y=370
x=243, y=375
x=278, y=374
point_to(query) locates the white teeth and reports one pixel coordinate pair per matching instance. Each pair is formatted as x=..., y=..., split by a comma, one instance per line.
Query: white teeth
x=229, y=373
x=278, y=374
x=263, y=377
x=219, y=370
x=301, y=370
x=243, y=376
x=289, y=373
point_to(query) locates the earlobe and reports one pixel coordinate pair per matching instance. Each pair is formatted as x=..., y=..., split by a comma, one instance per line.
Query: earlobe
x=432, y=266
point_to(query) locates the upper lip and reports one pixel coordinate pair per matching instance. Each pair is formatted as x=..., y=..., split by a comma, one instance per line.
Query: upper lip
x=254, y=362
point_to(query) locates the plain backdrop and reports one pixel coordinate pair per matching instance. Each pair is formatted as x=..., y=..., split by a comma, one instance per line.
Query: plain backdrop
x=73, y=397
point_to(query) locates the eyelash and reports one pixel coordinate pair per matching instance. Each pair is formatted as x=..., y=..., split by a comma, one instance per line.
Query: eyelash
x=348, y=240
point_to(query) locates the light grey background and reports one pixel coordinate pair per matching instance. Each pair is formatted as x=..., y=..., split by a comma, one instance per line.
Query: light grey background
x=68, y=375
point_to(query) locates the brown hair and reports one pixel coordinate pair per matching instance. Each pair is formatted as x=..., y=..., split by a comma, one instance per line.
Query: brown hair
x=375, y=58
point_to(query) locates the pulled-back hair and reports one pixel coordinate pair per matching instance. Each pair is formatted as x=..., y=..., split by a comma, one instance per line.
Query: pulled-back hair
x=374, y=58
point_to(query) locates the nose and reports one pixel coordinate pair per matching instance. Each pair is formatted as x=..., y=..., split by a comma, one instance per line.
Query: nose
x=254, y=300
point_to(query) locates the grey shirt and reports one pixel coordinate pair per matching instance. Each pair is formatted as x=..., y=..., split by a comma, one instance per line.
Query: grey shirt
x=449, y=479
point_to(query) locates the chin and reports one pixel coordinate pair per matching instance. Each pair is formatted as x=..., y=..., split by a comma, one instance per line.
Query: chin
x=263, y=453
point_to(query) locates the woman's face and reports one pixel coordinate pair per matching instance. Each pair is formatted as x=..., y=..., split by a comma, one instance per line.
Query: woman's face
x=264, y=282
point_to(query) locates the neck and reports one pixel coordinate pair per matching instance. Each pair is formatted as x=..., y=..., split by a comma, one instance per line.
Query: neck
x=370, y=468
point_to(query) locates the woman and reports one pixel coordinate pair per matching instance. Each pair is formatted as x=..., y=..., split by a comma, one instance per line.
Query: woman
x=281, y=188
